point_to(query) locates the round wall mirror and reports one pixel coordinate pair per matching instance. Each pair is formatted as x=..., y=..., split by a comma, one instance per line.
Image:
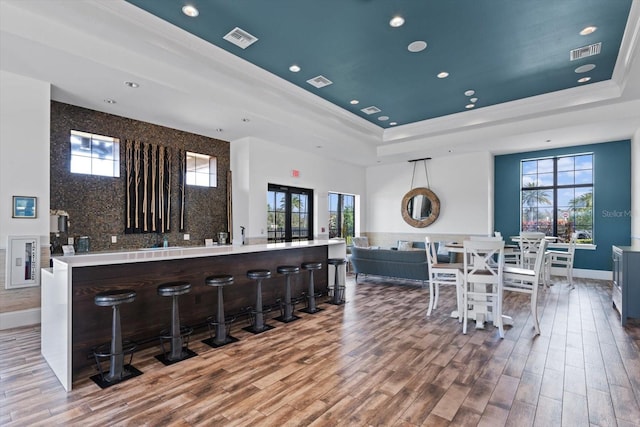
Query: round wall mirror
x=420, y=207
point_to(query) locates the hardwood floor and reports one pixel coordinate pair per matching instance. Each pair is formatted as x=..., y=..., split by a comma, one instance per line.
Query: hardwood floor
x=375, y=361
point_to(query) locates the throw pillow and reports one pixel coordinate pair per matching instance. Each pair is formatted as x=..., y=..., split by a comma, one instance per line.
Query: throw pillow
x=442, y=250
x=405, y=246
x=361, y=242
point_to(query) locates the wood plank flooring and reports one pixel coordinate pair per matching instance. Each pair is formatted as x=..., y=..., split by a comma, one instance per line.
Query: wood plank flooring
x=375, y=361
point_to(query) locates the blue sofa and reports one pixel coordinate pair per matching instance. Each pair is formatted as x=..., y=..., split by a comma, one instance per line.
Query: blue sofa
x=390, y=263
x=396, y=263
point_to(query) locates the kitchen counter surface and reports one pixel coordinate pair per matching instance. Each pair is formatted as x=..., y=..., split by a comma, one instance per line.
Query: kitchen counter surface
x=159, y=254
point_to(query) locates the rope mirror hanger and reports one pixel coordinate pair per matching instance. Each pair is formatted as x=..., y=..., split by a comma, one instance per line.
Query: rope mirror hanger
x=420, y=206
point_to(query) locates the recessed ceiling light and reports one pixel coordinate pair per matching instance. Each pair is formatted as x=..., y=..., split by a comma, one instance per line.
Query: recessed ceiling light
x=131, y=84
x=246, y=120
x=548, y=140
x=470, y=92
x=443, y=75
x=190, y=11
x=584, y=79
x=396, y=21
x=383, y=118
x=219, y=130
x=110, y=101
x=294, y=68
x=473, y=100
x=393, y=123
x=354, y=102
x=588, y=30
x=318, y=146
x=469, y=106
x=417, y=46
x=585, y=68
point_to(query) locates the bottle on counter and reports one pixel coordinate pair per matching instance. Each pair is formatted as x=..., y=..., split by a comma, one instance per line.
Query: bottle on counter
x=165, y=242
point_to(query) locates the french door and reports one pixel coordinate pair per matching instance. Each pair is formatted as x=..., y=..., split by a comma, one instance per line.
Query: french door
x=289, y=213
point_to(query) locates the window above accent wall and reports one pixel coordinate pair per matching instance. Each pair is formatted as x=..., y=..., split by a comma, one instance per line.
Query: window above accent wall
x=94, y=154
x=201, y=170
x=557, y=196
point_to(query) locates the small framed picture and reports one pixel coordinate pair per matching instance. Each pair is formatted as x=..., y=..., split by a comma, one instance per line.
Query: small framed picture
x=24, y=207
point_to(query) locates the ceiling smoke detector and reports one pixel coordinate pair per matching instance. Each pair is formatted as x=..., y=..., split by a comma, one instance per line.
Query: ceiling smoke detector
x=319, y=82
x=585, y=51
x=240, y=38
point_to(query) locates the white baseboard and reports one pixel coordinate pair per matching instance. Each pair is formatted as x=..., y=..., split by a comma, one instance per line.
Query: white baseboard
x=585, y=274
x=16, y=319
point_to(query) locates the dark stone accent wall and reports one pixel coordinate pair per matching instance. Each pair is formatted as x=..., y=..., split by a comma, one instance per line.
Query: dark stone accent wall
x=96, y=204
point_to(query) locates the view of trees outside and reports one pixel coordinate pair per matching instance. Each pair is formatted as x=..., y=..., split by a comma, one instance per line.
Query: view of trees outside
x=557, y=195
x=342, y=216
x=277, y=216
x=299, y=217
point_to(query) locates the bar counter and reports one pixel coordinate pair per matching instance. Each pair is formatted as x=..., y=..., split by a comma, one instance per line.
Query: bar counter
x=72, y=324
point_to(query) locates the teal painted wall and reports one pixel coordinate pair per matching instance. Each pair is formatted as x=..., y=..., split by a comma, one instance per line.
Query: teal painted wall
x=611, y=197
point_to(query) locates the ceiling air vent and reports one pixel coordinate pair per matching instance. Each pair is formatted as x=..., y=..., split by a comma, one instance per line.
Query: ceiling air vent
x=371, y=110
x=319, y=81
x=585, y=51
x=240, y=38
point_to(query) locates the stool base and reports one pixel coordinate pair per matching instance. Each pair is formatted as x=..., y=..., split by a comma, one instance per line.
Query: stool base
x=293, y=318
x=186, y=354
x=307, y=310
x=228, y=340
x=128, y=373
x=253, y=330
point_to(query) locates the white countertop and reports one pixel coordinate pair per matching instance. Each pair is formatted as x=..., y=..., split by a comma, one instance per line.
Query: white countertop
x=160, y=254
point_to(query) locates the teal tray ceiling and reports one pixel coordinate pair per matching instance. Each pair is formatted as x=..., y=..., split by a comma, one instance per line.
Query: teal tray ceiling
x=503, y=50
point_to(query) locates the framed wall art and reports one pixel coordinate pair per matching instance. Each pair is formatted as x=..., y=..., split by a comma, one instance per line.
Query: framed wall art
x=24, y=207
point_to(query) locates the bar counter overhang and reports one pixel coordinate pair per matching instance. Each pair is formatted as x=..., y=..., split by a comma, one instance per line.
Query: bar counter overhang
x=72, y=324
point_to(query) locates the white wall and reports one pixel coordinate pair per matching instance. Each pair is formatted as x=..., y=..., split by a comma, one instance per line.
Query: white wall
x=463, y=183
x=635, y=186
x=261, y=162
x=24, y=153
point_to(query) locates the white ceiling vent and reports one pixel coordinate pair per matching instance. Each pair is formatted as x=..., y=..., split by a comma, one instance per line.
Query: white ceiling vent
x=240, y=38
x=585, y=51
x=371, y=110
x=319, y=81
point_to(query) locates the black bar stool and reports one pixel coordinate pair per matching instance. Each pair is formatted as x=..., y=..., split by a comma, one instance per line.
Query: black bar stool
x=116, y=349
x=311, y=293
x=221, y=323
x=178, y=335
x=257, y=318
x=287, y=313
x=338, y=290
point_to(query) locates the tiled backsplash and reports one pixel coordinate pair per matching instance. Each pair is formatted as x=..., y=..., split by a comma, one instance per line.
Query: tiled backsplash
x=96, y=205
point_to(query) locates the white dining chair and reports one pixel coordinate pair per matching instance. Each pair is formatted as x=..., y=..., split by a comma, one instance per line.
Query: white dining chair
x=442, y=274
x=525, y=280
x=529, y=243
x=512, y=256
x=482, y=282
x=562, y=259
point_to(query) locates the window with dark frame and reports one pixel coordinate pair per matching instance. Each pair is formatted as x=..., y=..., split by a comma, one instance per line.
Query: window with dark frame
x=557, y=196
x=342, y=216
x=289, y=214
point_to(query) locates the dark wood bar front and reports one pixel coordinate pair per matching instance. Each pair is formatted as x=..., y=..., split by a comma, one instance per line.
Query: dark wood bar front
x=72, y=324
x=143, y=319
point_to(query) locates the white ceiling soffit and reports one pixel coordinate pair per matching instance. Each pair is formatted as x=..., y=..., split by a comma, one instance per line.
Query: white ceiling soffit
x=197, y=87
